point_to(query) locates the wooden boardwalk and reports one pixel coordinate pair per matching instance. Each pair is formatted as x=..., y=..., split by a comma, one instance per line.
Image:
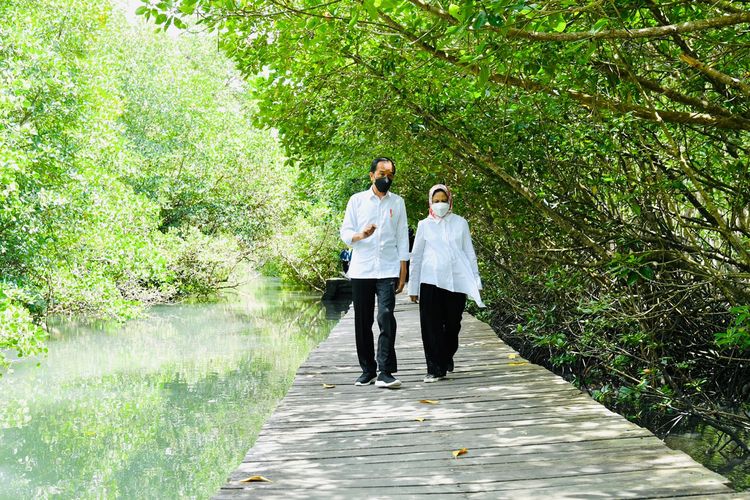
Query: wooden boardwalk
x=528, y=433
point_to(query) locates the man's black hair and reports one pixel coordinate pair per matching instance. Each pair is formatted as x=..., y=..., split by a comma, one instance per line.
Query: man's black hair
x=374, y=164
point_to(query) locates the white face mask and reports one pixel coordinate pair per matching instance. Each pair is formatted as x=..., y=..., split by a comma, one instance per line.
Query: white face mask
x=440, y=208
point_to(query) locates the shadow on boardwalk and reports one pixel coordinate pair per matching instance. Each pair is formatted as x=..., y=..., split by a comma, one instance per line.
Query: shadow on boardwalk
x=529, y=434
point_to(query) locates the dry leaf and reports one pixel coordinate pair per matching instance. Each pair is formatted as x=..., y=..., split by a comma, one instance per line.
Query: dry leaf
x=462, y=451
x=518, y=363
x=420, y=419
x=255, y=479
x=428, y=401
x=512, y=356
x=329, y=386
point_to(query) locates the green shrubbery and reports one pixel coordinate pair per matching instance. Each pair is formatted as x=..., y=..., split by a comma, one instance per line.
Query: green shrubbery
x=130, y=170
x=19, y=333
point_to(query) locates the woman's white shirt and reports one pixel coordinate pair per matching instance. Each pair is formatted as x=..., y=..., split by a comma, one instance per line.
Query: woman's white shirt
x=443, y=255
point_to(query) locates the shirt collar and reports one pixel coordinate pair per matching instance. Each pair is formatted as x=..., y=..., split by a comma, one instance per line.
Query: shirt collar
x=438, y=220
x=372, y=192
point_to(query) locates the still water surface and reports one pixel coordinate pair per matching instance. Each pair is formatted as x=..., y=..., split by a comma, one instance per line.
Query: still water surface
x=162, y=407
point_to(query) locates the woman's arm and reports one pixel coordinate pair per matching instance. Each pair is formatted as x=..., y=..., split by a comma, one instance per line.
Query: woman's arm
x=468, y=248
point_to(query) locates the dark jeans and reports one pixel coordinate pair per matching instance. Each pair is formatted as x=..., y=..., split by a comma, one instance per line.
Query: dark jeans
x=440, y=313
x=364, y=292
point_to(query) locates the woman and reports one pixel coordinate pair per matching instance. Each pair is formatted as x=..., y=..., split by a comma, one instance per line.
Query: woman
x=443, y=271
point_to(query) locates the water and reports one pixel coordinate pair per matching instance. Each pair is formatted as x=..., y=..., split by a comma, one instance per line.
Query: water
x=712, y=449
x=163, y=407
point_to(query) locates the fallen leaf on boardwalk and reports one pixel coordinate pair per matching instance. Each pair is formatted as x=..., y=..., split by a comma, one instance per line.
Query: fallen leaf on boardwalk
x=428, y=401
x=420, y=419
x=329, y=386
x=257, y=479
x=518, y=363
x=512, y=356
x=462, y=451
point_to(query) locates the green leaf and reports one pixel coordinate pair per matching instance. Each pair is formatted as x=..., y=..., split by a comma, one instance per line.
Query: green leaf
x=647, y=273
x=187, y=8
x=141, y=10
x=600, y=24
x=454, y=10
x=484, y=75
x=481, y=20
x=370, y=8
x=355, y=16
x=495, y=20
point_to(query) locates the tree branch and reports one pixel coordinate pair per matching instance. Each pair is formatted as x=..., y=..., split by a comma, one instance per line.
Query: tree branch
x=589, y=100
x=618, y=34
x=716, y=75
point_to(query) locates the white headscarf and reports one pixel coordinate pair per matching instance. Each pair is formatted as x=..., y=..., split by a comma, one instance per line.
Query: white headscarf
x=440, y=187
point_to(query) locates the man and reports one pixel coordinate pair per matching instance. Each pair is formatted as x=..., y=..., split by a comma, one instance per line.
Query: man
x=375, y=227
x=345, y=257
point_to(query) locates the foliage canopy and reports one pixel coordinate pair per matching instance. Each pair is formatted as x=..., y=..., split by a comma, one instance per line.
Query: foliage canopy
x=598, y=149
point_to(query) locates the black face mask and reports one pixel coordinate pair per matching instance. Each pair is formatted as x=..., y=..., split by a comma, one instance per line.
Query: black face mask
x=383, y=184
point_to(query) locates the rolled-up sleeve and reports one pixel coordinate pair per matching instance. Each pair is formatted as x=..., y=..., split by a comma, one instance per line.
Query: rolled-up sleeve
x=402, y=232
x=348, y=227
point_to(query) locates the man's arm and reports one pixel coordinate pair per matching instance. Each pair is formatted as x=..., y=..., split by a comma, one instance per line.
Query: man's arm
x=402, y=243
x=348, y=231
x=402, y=277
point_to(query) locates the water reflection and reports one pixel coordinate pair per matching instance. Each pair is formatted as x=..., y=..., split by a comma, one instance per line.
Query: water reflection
x=163, y=407
x=336, y=308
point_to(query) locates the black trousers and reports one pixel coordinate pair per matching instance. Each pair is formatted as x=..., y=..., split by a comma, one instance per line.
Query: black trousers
x=440, y=313
x=364, y=292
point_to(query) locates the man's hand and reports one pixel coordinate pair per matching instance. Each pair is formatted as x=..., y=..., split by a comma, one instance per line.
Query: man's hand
x=414, y=298
x=369, y=229
x=366, y=233
x=400, y=287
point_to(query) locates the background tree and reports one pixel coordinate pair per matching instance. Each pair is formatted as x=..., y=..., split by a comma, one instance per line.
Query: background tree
x=130, y=170
x=598, y=149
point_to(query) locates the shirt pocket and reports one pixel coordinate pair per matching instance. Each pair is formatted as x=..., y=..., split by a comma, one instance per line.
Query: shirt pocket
x=366, y=215
x=387, y=220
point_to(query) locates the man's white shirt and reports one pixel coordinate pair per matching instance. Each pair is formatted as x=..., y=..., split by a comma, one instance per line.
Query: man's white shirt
x=380, y=254
x=443, y=255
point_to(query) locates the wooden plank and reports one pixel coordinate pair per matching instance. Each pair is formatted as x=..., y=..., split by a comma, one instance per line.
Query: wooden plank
x=529, y=433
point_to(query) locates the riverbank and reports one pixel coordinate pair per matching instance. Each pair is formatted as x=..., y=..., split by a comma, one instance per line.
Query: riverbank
x=708, y=446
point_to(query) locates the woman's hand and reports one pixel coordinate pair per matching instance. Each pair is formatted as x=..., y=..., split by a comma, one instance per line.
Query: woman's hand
x=414, y=298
